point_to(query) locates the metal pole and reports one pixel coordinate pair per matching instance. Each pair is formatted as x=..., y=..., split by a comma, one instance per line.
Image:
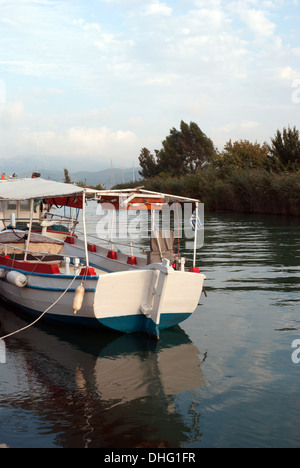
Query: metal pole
x=30, y=229
x=112, y=230
x=84, y=230
x=196, y=234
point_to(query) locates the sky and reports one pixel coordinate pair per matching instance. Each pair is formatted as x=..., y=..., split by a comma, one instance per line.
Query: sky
x=88, y=83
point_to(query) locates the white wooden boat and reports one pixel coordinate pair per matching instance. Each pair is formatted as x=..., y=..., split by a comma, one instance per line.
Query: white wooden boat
x=72, y=280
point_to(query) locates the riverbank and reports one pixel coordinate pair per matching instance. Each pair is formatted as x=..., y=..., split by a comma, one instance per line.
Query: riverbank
x=249, y=191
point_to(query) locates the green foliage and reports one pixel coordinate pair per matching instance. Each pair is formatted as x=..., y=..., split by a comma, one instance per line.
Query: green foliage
x=245, y=176
x=184, y=151
x=148, y=164
x=67, y=179
x=98, y=187
x=249, y=190
x=285, y=148
x=243, y=155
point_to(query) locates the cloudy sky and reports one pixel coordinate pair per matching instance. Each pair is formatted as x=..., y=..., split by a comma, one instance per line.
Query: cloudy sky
x=94, y=81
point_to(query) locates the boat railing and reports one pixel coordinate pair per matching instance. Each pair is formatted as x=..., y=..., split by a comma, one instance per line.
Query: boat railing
x=146, y=252
x=56, y=220
x=39, y=256
x=114, y=244
x=60, y=218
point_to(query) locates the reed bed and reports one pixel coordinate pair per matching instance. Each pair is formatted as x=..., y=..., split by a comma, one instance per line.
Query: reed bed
x=252, y=190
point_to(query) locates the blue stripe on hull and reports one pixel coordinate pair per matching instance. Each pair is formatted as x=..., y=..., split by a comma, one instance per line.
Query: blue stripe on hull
x=45, y=275
x=124, y=324
x=140, y=323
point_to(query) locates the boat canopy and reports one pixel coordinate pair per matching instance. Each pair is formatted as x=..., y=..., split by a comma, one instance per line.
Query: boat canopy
x=53, y=193
x=28, y=189
x=61, y=194
x=139, y=198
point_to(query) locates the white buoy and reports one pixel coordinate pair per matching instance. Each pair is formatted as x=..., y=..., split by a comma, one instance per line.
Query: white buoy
x=78, y=299
x=17, y=279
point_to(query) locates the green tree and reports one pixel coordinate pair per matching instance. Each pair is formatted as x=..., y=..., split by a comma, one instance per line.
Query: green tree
x=244, y=155
x=67, y=179
x=185, y=151
x=197, y=148
x=99, y=187
x=148, y=164
x=170, y=157
x=285, y=148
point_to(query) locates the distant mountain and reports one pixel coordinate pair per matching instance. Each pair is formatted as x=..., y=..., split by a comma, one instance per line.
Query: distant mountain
x=24, y=166
x=107, y=178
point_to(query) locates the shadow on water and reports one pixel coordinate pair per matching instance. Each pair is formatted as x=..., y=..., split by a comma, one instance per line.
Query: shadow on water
x=94, y=389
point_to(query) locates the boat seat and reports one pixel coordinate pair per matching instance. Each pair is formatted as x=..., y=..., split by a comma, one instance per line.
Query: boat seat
x=161, y=246
x=41, y=258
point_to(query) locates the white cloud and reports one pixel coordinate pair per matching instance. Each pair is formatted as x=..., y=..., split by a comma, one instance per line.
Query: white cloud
x=87, y=26
x=84, y=72
x=240, y=130
x=288, y=74
x=47, y=91
x=11, y=114
x=78, y=142
x=157, y=8
x=296, y=52
x=249, y=124
x=161, y=79
x=211, y=17
x=258, y=23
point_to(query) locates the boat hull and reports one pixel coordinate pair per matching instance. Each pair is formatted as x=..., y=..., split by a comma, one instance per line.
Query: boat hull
x=133, y=301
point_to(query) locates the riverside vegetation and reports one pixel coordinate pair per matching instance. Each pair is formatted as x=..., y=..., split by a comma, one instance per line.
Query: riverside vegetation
x=245, y=176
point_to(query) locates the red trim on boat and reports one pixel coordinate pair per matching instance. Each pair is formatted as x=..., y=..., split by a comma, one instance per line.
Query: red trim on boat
x=131, y=261
x=112, y=255
x=70, y=240
x=88, y=272
x=38, y=267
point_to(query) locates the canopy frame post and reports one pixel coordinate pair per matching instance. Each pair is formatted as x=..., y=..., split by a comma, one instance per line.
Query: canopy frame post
x=196, y=235
x=84, y=229
x=30, y=229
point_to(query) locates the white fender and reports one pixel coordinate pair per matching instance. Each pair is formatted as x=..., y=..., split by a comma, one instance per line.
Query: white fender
x=17, y=279
x=78, y=299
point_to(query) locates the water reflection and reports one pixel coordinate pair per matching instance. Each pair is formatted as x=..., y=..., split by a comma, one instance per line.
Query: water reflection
x=76, y=388
x=85, y=389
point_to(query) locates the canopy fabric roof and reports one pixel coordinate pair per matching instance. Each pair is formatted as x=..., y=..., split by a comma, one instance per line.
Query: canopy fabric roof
x=139, y=195
x=28, y=189
x=55, y=192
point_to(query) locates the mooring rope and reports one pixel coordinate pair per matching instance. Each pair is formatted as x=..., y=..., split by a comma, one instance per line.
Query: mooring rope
x=44, y=313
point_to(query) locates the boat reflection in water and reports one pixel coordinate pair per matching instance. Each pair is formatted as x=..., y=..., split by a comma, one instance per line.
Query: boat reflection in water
x=105, y=390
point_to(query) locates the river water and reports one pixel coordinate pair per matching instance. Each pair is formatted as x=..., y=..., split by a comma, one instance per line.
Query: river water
x=224, y=378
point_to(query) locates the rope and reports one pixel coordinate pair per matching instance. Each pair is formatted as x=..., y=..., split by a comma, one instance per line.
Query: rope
x=42, y=315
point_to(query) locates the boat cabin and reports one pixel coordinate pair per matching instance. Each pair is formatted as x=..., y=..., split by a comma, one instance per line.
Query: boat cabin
x=15, y=212
x=18, y=212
